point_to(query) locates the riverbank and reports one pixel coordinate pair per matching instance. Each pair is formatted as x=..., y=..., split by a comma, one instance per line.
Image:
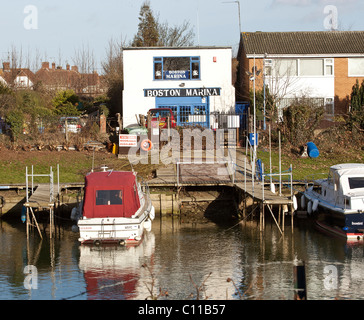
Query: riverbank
x=75, y=164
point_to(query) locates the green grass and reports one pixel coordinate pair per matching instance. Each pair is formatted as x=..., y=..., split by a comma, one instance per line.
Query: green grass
x=303, y=167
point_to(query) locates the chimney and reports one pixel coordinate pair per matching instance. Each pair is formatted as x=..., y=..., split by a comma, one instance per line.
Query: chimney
x=6, y=66
x=45, y=65
x=53, y=66
x=74, y=68
x=68, y=67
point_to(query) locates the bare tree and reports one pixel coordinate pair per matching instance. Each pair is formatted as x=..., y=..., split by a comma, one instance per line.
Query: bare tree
x=113, y=73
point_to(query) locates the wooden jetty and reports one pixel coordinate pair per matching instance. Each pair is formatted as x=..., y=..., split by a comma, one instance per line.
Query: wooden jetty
x=41, y=197
x=234, y=171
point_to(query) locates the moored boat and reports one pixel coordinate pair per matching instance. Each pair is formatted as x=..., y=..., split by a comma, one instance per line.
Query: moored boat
x=339, y=200
x=116, y=208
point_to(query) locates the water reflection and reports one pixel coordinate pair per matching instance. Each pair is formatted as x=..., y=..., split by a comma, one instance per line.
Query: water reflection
x=113, y=272
x=181, y=257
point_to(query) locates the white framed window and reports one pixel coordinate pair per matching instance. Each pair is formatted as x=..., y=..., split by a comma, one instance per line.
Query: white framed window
x=356, y=67
x=311, y=67
x=329, y=67
x=285, y=67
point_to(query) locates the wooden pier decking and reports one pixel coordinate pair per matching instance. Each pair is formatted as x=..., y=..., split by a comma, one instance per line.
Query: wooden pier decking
x=42, y=197
x=237, y=173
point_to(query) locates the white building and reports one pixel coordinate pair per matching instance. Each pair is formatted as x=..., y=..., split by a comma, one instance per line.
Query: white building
x=192, y=81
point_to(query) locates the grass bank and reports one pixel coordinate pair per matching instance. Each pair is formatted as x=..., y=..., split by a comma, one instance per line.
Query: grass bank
x=73, y=165
x=304, y=167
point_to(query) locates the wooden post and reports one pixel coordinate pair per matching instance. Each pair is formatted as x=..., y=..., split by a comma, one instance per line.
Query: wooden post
x=299, y=276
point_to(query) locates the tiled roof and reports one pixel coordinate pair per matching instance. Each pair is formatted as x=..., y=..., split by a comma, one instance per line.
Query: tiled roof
x=300, y=43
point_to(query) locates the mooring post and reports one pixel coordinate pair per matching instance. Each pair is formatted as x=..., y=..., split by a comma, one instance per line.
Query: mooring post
x=299, y=275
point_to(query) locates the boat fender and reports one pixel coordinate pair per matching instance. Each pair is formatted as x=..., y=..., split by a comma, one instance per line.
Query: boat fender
x=295, y=203
x=97, y=242
x=148, y=225
x=303, y=202
x=75, y=229
x=315, y=205
x=23, y=214
x=74, y=213
x=152, y=214
x=309, y=207
x=272, y=187
x=121, y=242
x=146, y=145
x=2, y=202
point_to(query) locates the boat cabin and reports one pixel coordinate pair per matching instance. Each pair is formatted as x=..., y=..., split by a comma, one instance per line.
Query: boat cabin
x=110, y=194
x=344, y=186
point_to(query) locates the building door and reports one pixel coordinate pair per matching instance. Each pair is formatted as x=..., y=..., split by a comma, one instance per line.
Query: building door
x=187, y=110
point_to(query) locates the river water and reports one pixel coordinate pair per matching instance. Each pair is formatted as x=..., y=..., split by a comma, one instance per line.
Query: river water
x=175, y=259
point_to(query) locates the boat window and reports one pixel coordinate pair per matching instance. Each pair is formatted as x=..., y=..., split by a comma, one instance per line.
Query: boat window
x=317, y=188
x=356, y=182
x=109, y=197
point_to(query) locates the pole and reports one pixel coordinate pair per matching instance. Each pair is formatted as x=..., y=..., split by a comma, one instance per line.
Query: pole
x=299, y=276
x=264, y=99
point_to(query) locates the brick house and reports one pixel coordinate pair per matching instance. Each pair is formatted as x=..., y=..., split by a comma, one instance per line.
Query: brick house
x=20, y=78
x=56, y=78
x=53, y=78
x=320, y=66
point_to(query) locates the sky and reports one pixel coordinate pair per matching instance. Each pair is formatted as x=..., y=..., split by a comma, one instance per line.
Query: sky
x=55, y=31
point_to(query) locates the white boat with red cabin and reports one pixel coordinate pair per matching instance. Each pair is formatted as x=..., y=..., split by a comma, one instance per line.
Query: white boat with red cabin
x=116, y=208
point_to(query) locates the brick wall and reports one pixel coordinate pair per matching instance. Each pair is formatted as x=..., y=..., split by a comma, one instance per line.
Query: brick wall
x=343, y=85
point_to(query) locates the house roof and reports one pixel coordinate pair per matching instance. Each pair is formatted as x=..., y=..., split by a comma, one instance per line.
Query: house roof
x=303, y=43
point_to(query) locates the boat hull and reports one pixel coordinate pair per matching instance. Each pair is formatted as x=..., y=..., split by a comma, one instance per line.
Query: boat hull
x=115, y=230
x=335, y=220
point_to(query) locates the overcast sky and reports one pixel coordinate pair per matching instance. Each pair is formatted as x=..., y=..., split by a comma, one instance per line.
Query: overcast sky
x=59, y=28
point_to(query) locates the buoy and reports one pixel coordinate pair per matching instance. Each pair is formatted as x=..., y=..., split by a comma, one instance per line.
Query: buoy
x=315, y=205
x=273, y=187
x=295, y=203
x=148, y=225
x=303, y=202
x=146, y=145
x=152, y=214
x=309, y=207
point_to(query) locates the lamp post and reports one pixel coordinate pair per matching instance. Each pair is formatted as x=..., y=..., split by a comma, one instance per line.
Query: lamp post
x=238, y=2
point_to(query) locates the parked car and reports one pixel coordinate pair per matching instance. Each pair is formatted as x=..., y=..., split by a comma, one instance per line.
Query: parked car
x=163, y=113
x=73, y=124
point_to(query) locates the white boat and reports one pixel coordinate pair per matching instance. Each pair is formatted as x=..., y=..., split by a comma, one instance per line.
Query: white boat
x=338, y=200
x=116, y=208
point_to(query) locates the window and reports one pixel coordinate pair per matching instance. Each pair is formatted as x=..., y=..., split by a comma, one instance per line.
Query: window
x=356, y=67
x=311, y=67
x=329, y=67
x=176, y=68
x=268, y=67
x=109, y=197
x=329, y=109
x=356, y=183
x=300, y=67
x=285, y=67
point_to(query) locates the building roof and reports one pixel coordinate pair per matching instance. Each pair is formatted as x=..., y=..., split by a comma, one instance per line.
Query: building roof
x=176, y=48
x=303, y=43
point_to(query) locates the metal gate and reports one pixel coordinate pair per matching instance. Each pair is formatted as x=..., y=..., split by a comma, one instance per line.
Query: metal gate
x=187, y=110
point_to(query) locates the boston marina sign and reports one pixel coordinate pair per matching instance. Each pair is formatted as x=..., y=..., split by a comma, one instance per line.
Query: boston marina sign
x=183, y=92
